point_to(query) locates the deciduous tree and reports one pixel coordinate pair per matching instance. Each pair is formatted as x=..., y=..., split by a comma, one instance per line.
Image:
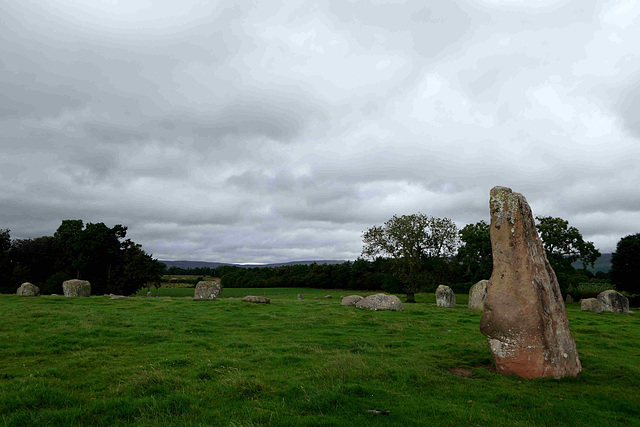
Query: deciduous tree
x=410, y=240
x=5, y=260
x=625, y=264
x=563, y=245
x=475, y=251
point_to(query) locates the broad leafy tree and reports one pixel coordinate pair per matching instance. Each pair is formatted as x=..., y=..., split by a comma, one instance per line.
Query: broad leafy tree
x=135, y=270
x=93, y=252
x=411, y=241
x=564, y=245
x=625, y=264
x=34, y=260
x=68, y=246
x=5, y=260
x=474, y=254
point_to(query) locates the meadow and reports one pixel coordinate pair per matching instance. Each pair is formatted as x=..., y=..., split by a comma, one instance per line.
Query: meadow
x=174, y=361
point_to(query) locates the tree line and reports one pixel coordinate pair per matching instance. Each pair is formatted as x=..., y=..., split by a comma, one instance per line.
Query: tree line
x=92, y=252
x=407, y=254
x=416, y=253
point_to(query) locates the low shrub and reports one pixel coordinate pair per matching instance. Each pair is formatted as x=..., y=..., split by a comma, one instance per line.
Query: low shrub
x=588, y=289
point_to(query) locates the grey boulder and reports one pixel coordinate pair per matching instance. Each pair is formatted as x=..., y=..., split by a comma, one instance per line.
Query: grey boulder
x=381, y=302
x=445, y=297
x=207, y=291
x=590, y=304
x=76, y=288
x=477, y=294
x=256, y=299
x=613, y=302
x=351, y=300
x=28, y=289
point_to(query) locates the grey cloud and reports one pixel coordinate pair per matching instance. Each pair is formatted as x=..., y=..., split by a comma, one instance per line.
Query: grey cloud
x=272, y=132
x=629, y=107
x=432, y=28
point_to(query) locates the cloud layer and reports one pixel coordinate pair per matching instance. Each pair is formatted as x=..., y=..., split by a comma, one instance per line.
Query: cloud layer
x=264, y=132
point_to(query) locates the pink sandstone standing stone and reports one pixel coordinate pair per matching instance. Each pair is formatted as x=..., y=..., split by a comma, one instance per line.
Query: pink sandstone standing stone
x=524, y=318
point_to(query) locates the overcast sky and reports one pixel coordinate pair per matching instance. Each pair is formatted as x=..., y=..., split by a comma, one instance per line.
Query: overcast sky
x=263, y=131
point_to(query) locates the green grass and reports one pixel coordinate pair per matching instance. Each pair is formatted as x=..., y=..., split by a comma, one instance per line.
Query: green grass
x=175, y=361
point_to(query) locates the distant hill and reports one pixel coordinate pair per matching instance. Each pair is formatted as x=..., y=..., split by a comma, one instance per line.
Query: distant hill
x=602, y=264
x=210, y=264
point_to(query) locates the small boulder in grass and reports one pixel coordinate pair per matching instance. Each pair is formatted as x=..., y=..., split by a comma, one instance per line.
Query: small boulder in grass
x=590, y=304
x=351, y=300
x=300, y=296
x=206, y=290
x=380, y=302
x=257, y=299
x=568, y=299
x=328, y=296
x=28, y=289
x=614, y=302
x=76, y=288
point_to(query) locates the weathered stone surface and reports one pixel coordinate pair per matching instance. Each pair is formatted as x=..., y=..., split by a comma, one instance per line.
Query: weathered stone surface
x=590, y=304
x=524, y=318
x=76, y=288
x=351, y=300
x=381, y=302
x=328, y=296
x=300, y=296
x=207, y=291
x=445, y=297
x=477, y=294
x=256, y=299
x=28, y=289
x=613, y=302
x=568, y=299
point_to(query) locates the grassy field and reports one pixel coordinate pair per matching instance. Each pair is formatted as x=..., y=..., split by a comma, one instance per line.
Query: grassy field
x=175, y=361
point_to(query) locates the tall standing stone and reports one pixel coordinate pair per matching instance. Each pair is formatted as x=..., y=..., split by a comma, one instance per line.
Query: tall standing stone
x=524, y=318
x=445, y=297
x=477, y=294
